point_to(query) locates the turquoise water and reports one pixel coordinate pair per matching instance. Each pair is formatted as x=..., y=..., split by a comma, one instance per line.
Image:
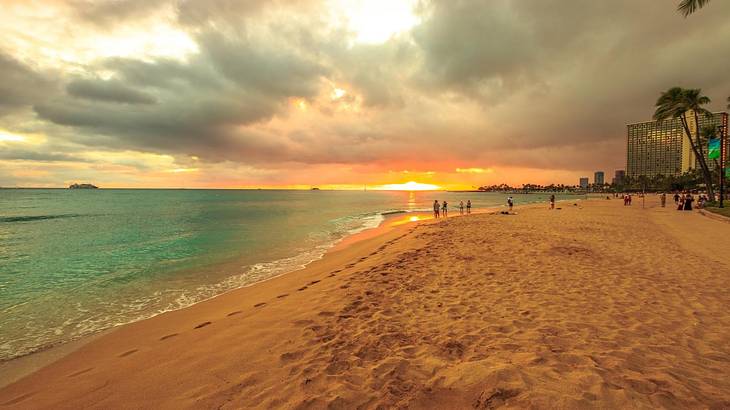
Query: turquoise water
x=74, y=262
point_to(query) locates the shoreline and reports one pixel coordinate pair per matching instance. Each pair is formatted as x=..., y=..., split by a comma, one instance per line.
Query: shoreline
x=19, y=367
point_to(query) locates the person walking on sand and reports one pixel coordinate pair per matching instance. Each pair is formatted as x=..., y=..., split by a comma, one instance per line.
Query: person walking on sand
x=461, y=207
x=688, y=202
x=445, y=209
x=468, y=206
x=680, y=203
x=436, y=208
x=552, y=201
x=510, y=203
x=664, y=200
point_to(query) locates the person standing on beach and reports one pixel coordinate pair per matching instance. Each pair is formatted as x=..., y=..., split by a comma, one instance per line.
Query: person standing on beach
x=461, y=207
x=676, y=198
x=468, y=206
x=688, y=202
x=445, y=209
x=664, y=200
x=552, y=201
x=510, y=203
x=436, y=208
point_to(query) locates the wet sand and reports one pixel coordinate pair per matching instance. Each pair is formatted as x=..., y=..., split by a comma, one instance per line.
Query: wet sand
x=596, y=305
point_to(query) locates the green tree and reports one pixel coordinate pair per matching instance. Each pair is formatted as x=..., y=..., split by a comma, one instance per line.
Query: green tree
x=687, y=7
x=678, y=103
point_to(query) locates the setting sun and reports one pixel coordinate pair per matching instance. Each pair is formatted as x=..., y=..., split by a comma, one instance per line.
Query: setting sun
x=409, y=186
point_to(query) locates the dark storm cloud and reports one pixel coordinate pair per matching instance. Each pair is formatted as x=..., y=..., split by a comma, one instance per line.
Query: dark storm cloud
x=20, y=85
x=201, y=106
x=107, y=90
x=28, y=155
x=273, y=72
x=470, y=45
x=557, y=74
x=519, y=83
x=108, y=13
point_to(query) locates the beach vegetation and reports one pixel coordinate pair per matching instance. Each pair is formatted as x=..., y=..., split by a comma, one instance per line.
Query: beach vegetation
x=687, y=7
x=720, y=211
x=686, y=104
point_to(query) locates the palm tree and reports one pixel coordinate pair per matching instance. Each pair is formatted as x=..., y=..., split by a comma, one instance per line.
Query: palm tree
x=687, y=7
x=678, y=103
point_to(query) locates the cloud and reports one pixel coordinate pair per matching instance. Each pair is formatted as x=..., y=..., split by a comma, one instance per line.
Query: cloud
x=109, y=13
x=20, y=85
x=539, y=84
x=107, y=90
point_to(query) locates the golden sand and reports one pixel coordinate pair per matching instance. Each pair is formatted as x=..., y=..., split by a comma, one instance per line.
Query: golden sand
x=590, y=306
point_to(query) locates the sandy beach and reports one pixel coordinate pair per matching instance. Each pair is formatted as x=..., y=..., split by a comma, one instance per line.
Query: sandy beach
x=595, y=305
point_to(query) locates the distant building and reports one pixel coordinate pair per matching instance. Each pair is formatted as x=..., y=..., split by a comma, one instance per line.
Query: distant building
x=663, y=147
x=598, y=178
x=584, y=183
x=619, y=177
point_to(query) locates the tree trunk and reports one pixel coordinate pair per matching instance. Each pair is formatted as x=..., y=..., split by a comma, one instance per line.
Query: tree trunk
x=699, y=155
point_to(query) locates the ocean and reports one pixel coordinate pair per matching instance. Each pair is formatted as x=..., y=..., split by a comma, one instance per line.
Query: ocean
x=75, y=262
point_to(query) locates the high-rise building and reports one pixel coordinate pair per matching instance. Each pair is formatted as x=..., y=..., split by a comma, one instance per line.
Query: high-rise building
x=584, y=183
x=619, y=176
x=656, y=147
x=598, y=178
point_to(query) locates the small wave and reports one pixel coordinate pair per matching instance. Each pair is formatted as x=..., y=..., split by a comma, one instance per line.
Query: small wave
x=30, y=218
x=394, y=212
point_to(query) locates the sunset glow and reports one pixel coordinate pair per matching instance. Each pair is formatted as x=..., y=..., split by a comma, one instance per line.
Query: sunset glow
x=409, y=186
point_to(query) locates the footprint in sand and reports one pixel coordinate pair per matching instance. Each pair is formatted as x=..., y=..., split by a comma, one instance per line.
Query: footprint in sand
x=282, y=296
x=168, y=336
x=302, y=288
x=80, y=372
x=235, y=313
x=314, y=282
x=259, y=304
x=204, y=324
x=128, y=352
x=290, y=356
x=17, y=399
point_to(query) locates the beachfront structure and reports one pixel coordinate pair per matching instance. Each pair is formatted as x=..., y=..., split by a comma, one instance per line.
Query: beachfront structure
x=598, y=178
x=662, y=147
x=584, y=182
x=619, y=177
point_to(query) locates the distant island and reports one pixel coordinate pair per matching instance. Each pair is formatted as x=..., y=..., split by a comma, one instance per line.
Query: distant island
x=83, y=186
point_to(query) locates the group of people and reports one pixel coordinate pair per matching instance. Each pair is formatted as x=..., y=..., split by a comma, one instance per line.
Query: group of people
x=684, y=202
x=627, y=199
x=443, y=209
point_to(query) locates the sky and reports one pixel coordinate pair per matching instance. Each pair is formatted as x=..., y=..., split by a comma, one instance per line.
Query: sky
x=340, y=93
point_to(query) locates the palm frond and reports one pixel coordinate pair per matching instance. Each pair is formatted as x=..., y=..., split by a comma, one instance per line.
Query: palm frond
x=687, y=7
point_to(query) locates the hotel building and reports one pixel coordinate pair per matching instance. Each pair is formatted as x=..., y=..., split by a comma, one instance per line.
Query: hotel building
x=598, y=177
x=663, y=147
